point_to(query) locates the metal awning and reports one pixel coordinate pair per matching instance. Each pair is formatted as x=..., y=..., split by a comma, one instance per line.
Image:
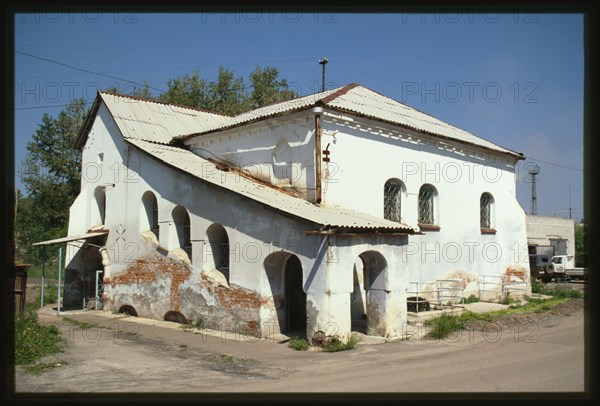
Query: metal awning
x=72, y=238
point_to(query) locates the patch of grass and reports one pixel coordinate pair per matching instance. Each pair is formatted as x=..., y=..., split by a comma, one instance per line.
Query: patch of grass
x=198, y=324
x=298, y=344
x=34, y=341
x=50, y=272
x=444, y=325
x=563, y=293
x=183, y=347
x=41, y=367
x=81, y=324
x=471, y=299
x=334, y=344
x=220, y=358
x=536, y=285
x=507, y=300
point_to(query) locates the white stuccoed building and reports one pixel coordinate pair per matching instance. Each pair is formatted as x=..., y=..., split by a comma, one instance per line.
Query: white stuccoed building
x=324, y=213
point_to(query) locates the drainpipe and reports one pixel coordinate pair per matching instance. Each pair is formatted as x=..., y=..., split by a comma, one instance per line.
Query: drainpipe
x=318, y=111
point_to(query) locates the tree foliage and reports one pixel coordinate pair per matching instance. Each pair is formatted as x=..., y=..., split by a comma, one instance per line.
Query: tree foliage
x=51, y=175
x=229, y=95
x=580, y=239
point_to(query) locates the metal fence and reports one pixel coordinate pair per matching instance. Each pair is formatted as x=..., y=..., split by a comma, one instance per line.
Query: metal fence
x=450, y=292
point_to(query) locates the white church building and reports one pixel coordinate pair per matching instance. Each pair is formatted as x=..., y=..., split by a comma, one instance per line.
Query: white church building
x=332, y=212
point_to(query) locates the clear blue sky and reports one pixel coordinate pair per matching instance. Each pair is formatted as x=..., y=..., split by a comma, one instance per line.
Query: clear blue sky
x=514, y=79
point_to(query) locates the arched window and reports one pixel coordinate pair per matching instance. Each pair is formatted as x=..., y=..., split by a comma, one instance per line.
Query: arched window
x=149, y=215
x=181, y=218
x=486, y=203
x=219, y=245
x=427, y=201
x=100, y=197
x=392, y=200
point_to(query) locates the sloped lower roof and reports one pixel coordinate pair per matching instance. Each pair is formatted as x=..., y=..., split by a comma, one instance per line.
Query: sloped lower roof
x=328, y=217
x=151, y=120
x=361, y=101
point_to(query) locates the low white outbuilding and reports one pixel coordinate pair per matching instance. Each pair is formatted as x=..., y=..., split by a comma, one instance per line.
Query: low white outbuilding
x=327, y=213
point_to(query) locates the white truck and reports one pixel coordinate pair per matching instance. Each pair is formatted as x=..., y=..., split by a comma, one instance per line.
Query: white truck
x=563, y=266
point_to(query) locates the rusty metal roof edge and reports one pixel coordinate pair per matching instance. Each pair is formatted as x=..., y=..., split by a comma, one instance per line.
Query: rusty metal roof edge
x=277, y=210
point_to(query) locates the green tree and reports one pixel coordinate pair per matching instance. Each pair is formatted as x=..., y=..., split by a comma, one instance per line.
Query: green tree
x=51, y=171
x=51, y=175
x=580, y=238
x=229, y=95
x=267, y=88
x=142, y=91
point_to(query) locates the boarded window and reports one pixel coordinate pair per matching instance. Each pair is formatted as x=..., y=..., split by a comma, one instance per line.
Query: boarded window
x=485, y=210
x=427, y=195
x=392, y=200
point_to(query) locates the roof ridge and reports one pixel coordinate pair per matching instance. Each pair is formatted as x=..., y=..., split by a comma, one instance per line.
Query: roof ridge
x=339, y=93
x=144, y=99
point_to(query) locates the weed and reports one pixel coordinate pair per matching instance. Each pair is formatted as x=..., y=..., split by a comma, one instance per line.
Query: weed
x=471, y=299
x=198, y=323
x=443, y=325
x=536, y=285
x=334, y=344
x=50, y=294
x=507, y=300
x=34, y=341
x=298, y=344
x=183, y=347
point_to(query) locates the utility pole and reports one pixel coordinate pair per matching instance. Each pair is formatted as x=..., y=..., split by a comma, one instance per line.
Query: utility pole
x=533, y=172
x=323, y=62
x=569, y=200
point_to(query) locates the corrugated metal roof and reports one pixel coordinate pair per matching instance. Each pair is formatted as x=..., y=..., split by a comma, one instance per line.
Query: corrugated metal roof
x=157, y=122
x=330, y=217
x=364, y=102
x=269, y=111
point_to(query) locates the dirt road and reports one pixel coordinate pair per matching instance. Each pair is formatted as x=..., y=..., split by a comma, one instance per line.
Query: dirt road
x=113, y=353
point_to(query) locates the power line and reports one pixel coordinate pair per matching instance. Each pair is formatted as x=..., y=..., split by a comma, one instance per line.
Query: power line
x=88, y=71
x=555, y=164
x=458, y=108
x=46, y=107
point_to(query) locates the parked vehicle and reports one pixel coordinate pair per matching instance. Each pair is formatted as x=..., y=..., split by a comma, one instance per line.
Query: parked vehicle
x=564, y=266
x=538, y=264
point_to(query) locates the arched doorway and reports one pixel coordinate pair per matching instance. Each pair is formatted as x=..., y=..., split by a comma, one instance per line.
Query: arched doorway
x=295, y=298
x=284, y=276
x=374, y=300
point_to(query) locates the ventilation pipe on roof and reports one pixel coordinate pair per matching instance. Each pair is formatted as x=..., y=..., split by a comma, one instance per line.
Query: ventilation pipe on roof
x=317, y=111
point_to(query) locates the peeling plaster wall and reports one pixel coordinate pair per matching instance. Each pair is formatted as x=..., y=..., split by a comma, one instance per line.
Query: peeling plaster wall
x=280, y=151
x=154, y=276
x=365, y=154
